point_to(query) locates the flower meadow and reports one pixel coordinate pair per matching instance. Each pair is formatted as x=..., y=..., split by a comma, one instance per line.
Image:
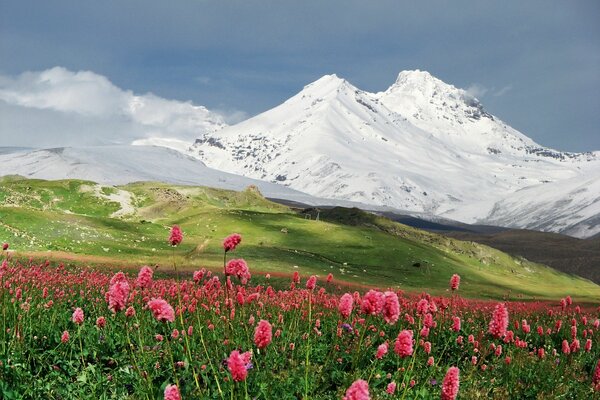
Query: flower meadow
x=79, y=333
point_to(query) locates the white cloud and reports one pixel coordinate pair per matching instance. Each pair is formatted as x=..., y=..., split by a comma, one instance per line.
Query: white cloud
x=502, y=91
x=476, y=90
x=58, y=107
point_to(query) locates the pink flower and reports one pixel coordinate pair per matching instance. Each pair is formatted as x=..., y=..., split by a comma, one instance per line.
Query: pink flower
x=404, y=343
x=263, y=334
x=239, y=268
x=130, y=312
x=450, y=384
x=311, y=282
x=381, y=350
x=454, y=282
x=427, y=347
x=161, y=310
x=499, y=321
x=100, y=322
x=588, y=345
x=172, y=393
x=391, y=388
x=231, y=242
x=4, y=246
x=198, y=275
x=65, y=337
x=455, y=324
x=391, y=307
x=566, y=349
x=372, y=303
x=237, y=364
x=346, y=304
x=176, y=236
x=596, y=377
x=118, y=292
x=359, y=390
x=329, y=277
x=78, y=316
x=144, y=279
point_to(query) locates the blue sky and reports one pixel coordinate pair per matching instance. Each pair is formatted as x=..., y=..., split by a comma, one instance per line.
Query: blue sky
x=535, y=64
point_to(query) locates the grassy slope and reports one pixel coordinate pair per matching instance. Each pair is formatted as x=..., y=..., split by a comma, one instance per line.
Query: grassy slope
x=68, y=216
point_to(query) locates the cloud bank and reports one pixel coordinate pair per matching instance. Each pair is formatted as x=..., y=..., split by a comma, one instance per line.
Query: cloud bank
x=58, y=107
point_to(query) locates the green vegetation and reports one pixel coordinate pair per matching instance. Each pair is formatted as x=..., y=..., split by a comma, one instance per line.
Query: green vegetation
x=129, y=225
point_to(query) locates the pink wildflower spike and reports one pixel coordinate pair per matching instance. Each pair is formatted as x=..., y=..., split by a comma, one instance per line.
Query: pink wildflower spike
x=359, y=390
x=329, y=277
x=231, y=242
x=346, y=304
x=172, y=393
x=391, y=388
x=455, y=324
x=78, y=316
x=391, y=307
x=238, y=268
x=454, y=282
x=236, y=364
x=596, y=377
x=450, y=384
x=263, y=334
x=4, y=246
x=311, y=282
x=64, y=337
x=404, y=343
x=381, y=350
x=499, y=321
x=118, y=292
x=144, y=279
x=176, y=236
x=372, y=302
x=161, y=310
x=100, y=322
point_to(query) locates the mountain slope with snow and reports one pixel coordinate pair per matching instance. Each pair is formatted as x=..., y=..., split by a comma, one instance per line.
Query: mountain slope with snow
x=118, y=165
x=422, y=146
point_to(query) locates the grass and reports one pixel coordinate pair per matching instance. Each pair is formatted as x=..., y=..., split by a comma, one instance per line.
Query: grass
x=75, y=217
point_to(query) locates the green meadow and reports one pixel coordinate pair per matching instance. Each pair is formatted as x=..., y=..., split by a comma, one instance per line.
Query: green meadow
x=128, y=226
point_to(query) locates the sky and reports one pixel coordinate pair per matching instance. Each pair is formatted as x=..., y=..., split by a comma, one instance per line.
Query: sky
x=71, y=72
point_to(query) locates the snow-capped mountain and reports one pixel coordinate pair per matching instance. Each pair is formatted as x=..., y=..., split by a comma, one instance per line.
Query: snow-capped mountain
x=422, y=145
x=117, y=165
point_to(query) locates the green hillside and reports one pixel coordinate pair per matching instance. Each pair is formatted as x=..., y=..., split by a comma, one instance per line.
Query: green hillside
x=129, y=225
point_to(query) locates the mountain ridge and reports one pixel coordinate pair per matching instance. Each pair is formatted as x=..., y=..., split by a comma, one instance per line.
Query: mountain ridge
x=421, y=145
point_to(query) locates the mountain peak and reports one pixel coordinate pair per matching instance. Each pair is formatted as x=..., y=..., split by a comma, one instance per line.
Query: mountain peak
x=423, y=82
x=327, y=84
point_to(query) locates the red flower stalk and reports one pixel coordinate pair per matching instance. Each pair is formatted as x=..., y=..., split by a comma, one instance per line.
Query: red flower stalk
x=359, y=390
x=454, y=282
x=450, y=384
x=404, y=343
x=346, y=304
x=172, y=393
x=239, y=268
x=118, y=292
x=499, y=321
x=161, y=310
x=381, y=350
x=144, y=279
x=231, y=242
x=78, y=316
x=176, y=236
x=263, y=334
x=237, y=364
x=372, y=303
x=391, y=307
